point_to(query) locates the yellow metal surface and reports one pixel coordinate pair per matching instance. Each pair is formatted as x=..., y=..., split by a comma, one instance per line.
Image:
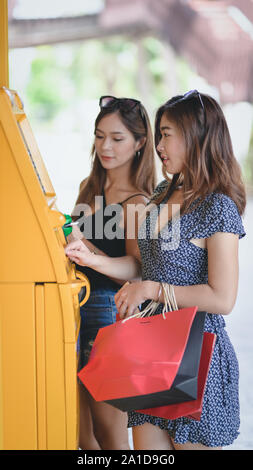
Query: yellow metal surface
x=55, y=370
x=41, y=366
x=39, y=304
x=85, y=283
x=27, y=205
x=38, y=367
x=18, y=379
x=1, y=386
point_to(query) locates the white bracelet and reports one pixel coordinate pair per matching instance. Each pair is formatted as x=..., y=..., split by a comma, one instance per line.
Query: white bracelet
x=160, y=291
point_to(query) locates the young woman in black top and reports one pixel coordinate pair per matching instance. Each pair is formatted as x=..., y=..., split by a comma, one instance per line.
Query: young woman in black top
x=122, y=175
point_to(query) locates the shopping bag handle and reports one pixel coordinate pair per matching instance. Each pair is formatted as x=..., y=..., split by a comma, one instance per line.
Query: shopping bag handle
x=170, y=303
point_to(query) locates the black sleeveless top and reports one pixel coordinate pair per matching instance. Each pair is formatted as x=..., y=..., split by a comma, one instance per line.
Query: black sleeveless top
x=107, y=236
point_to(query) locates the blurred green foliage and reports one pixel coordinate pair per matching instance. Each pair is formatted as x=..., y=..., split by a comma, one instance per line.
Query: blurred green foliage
x=45, y=87
x=63, y=75
x=66, y=73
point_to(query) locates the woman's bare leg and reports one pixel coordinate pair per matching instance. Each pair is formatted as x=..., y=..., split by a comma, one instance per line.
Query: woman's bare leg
x=151, y=437
x=87, y=440
x=190, y=446
x=110, y=426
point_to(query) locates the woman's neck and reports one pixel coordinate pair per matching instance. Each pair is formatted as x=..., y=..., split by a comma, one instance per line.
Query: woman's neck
x=118, y=178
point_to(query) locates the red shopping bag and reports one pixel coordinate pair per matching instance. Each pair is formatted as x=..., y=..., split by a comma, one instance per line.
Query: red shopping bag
x=147, y=362
x=191, y=409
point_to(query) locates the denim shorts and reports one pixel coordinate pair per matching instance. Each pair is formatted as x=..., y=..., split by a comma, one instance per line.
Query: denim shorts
x=99, y=311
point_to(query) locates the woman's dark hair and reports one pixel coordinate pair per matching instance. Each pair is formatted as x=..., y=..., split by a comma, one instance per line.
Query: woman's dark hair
x=210, y=164
x=143, y=171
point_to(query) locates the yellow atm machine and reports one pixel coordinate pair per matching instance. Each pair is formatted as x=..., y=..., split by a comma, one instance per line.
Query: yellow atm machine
x=39, y=302
x=39, y=298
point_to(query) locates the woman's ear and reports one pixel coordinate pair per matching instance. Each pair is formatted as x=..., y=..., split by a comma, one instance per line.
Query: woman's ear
x=140, y=143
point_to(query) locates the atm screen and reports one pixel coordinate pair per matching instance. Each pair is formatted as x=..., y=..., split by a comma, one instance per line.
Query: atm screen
x=30, y=144
x=31, y=157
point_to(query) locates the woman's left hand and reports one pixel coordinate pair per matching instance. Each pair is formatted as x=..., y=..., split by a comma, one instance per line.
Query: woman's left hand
x=129, y=297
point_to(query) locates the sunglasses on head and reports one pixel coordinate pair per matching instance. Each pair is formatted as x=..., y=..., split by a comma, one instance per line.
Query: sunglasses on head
x=111, y=101
x=125, y=104
x=187, y=96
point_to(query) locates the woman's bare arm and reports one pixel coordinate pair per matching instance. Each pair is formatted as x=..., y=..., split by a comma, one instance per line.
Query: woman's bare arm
x=217, y=296
x=123, y=268
x=131, y=224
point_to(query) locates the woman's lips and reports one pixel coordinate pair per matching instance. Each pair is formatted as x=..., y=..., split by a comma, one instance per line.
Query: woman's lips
x=106, y=157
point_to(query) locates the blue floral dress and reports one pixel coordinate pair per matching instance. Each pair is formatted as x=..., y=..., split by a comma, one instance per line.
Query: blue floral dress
x=186, y=264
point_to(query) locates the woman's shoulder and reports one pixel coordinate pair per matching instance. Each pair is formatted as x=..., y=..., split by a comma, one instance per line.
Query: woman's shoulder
x=222, y=204
x=134, y=198
x=218, y=212
x=82, y=184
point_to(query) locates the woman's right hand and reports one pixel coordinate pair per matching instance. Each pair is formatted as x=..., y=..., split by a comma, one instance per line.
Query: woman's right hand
x=78, y=252
x=122, y=268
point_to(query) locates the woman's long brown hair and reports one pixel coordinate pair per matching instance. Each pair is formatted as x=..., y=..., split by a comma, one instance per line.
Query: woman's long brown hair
x=143, y=171
x=210, y=164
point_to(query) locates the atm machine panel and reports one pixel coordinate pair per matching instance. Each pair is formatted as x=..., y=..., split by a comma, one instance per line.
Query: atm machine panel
x=39, y=304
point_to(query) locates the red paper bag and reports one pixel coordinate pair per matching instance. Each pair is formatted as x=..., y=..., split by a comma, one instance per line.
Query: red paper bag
x=136, y=363
x=191, y=409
